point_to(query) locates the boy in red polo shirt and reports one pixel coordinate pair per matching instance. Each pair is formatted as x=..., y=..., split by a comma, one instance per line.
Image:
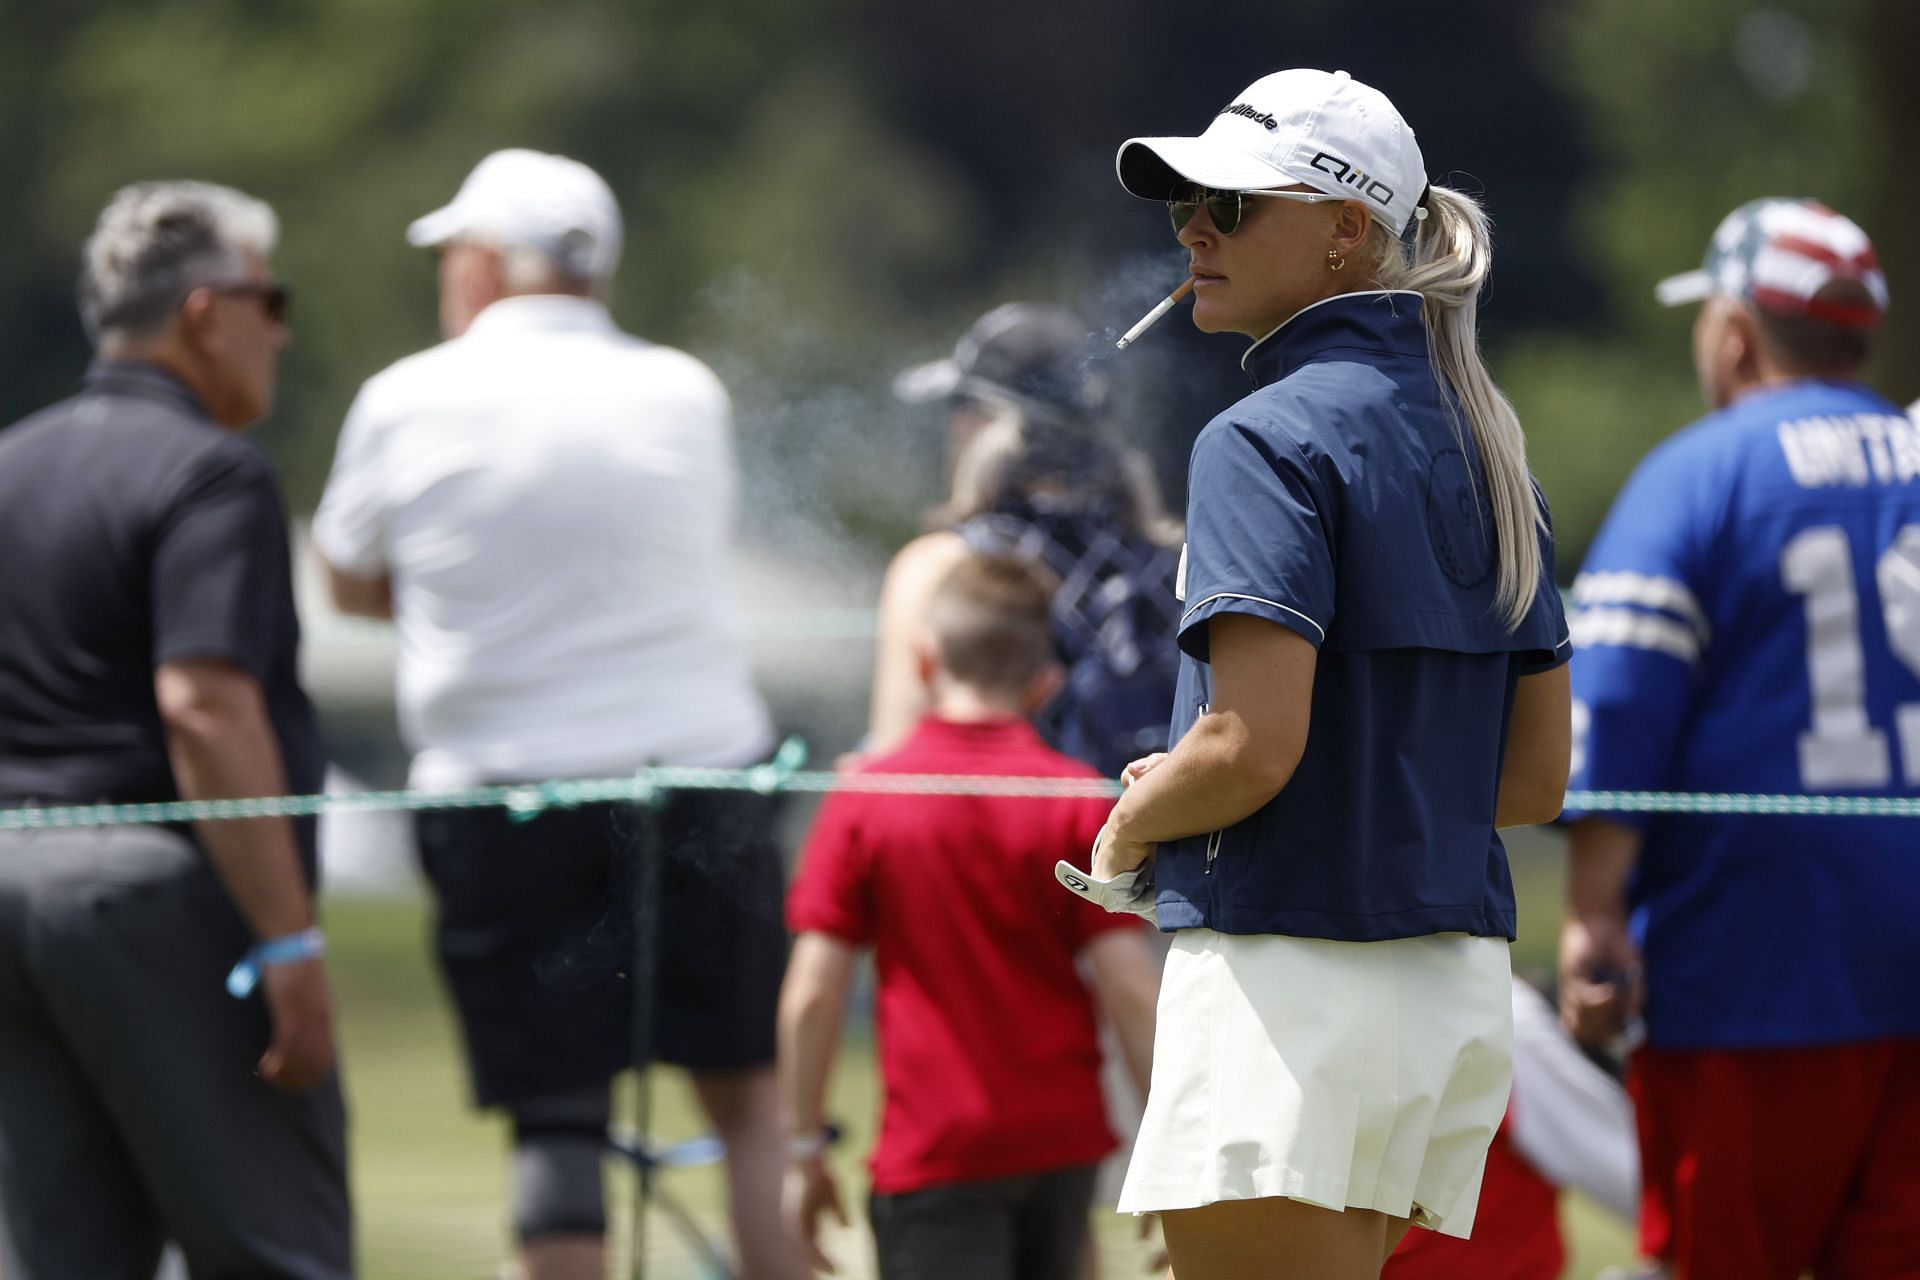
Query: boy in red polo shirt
x=993, y=1122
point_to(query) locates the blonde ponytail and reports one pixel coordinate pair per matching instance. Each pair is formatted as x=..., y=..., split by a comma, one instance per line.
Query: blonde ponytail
x=1450, y=257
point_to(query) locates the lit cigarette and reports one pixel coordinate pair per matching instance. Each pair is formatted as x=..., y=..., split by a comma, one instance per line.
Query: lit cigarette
x=1152, y=317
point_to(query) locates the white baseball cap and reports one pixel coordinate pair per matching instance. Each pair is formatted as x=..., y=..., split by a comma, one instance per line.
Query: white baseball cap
x=537, y=201
x=1324, y=129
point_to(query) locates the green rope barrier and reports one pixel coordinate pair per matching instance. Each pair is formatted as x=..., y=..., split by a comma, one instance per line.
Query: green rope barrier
x=783, y=775
x=1734, y=802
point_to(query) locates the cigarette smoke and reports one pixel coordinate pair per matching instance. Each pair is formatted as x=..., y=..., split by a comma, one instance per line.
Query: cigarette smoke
x=835, y=477
x=836, y=474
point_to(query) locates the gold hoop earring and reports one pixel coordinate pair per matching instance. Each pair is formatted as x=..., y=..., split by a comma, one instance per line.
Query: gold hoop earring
x=1334, y=260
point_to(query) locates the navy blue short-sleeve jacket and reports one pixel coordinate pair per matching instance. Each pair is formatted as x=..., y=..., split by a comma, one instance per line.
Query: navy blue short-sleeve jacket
x=1344, y=499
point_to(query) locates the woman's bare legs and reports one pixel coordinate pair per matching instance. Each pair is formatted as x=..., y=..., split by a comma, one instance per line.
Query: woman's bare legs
x=1276, y=1239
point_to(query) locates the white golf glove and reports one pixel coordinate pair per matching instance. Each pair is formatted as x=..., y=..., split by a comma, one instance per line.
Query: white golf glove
x=1129, y=893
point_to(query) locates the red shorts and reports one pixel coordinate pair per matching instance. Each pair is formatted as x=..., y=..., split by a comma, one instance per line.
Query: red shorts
x=1516, y=1230
x=1765, y=1163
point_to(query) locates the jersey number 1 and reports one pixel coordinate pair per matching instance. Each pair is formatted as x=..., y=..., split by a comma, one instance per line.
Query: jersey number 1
x=1844, y=749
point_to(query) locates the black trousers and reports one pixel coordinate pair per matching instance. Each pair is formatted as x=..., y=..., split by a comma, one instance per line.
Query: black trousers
x=1032, y=1227
x=130, y=1113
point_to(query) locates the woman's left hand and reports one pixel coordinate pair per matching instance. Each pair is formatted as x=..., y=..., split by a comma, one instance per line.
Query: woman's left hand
x=1113, y=854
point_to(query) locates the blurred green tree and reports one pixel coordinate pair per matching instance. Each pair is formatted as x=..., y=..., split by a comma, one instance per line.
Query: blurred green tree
x=718, y=128
x=818, y=194
x=1692, y=110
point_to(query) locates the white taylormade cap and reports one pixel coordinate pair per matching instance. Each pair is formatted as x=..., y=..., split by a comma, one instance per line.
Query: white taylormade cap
x=536, y=201
x=1324, y=129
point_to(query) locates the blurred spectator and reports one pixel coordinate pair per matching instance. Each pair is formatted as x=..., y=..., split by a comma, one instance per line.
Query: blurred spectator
x=1749, y=621
x=993, y=1125
x=1569, y=1125
x=1037, y=472
x=147, y=653
x=545, y=505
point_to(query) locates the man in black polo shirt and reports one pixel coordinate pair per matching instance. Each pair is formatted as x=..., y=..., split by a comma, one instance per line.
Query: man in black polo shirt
x=147, y=649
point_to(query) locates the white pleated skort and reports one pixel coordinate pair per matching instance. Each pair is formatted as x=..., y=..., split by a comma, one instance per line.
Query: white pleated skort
x=1365, y=1075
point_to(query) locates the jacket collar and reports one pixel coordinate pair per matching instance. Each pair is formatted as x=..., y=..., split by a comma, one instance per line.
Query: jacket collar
x=1384, y=320
x=143, y=381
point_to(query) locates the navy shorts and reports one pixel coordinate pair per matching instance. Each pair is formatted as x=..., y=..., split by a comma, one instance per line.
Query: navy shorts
x=535, y=938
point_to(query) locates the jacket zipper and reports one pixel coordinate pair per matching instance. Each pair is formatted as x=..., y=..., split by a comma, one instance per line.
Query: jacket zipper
x=1213, y=840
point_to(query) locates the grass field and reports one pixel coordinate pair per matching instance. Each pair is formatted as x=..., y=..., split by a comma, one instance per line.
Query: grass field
x=429, y=1173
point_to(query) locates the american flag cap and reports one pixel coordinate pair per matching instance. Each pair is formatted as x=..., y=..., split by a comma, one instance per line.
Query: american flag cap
x=1778, y=254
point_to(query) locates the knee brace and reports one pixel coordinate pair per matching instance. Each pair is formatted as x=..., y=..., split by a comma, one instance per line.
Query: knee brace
x=559, y=1143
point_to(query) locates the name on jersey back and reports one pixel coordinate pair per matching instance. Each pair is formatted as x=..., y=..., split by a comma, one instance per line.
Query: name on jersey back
x=1851, y=450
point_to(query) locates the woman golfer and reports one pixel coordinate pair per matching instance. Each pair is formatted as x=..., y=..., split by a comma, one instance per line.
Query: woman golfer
x=1372, y=682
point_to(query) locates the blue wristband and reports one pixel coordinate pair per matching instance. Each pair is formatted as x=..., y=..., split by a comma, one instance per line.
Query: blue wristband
x=291, y=949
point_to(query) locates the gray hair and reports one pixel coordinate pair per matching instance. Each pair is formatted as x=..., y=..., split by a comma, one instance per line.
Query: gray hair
x=156, y=242
x=527, y=269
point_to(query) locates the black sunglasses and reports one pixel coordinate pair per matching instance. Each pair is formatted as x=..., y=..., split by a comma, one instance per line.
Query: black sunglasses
x=276, y=297
x=1225, y=208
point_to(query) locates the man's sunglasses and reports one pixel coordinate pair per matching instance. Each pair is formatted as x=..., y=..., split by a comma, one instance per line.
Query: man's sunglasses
x=276, y=297
x=1224, y=208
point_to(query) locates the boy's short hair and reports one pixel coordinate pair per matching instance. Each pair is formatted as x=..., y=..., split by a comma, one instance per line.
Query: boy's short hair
x=991, y=619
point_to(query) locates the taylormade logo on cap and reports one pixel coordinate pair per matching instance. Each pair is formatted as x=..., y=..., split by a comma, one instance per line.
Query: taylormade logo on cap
x=1242, y=109
x=1319, y=129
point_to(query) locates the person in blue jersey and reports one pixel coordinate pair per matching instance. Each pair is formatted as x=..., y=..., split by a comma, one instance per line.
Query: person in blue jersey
x=1748, y=620
x=1372, y=682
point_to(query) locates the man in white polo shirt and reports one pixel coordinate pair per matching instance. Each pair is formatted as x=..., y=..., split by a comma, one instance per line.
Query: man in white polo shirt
x=544, y=505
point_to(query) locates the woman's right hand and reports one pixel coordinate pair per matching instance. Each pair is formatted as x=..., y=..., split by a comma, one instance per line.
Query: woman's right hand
x=1113, y=854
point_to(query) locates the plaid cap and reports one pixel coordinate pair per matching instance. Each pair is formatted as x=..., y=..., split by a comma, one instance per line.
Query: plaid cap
x=1778, y=254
